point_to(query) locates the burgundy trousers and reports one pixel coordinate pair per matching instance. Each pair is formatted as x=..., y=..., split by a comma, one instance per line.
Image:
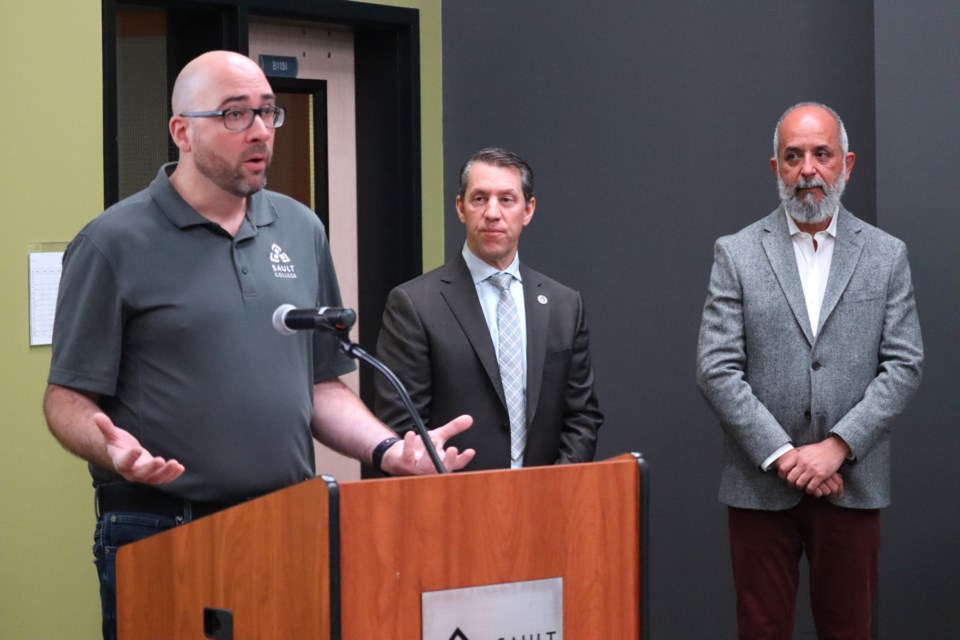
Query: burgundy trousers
x=841, y=546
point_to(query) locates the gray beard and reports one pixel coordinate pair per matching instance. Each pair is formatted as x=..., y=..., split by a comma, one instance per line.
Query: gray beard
x=806, y=210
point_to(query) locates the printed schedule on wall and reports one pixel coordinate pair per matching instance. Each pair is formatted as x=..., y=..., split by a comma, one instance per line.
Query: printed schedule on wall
x=44, y=270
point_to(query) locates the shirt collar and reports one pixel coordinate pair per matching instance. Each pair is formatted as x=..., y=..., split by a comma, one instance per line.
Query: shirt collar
x=480, y=270
x=831, y=229
x=260, y=210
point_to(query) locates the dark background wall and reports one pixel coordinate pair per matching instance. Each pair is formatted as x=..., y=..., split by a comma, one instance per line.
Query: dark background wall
x=918, y=191
x=649, y=126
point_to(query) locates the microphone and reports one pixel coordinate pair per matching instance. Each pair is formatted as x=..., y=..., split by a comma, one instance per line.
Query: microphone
x=287, y=319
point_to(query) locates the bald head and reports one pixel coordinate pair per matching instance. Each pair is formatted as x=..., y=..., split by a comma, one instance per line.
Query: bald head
x=207, y=70
x=807, y=108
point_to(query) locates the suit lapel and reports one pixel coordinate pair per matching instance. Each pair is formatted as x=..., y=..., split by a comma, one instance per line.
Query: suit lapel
x=846, y=254
x=538, y=316
x=460, y=294
x=779, y=249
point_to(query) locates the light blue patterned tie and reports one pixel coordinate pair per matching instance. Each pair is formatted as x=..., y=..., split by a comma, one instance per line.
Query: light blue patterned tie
x=510, y=358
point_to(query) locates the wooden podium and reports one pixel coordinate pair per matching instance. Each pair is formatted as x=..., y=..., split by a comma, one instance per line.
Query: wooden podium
x=349, y=562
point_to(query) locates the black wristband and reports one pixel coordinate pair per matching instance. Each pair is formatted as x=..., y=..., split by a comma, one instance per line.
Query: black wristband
x=380, y=449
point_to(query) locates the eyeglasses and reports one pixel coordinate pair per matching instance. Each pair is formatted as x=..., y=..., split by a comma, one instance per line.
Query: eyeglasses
x=241, y=119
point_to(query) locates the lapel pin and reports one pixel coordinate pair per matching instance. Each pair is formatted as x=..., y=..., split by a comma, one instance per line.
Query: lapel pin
x=542, y=299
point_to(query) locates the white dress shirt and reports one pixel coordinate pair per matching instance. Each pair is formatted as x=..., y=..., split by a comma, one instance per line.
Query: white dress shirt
x=488, y=295
x=814, y=256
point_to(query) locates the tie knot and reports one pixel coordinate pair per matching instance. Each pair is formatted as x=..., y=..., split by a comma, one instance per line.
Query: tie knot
x=501, y=281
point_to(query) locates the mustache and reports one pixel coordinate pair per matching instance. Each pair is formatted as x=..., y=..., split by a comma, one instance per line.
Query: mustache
x=809, y=183
x=258, y=149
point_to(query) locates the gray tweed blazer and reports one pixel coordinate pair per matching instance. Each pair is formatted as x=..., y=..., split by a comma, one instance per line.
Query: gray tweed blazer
x=770, y=382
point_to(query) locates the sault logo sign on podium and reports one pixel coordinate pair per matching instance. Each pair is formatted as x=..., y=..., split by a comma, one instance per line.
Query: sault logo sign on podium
x=530, y=610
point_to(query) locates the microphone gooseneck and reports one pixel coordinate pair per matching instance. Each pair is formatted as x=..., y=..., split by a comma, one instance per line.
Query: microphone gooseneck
x=287, y=320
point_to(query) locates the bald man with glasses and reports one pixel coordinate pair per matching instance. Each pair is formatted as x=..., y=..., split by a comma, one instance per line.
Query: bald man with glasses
x=167, y=376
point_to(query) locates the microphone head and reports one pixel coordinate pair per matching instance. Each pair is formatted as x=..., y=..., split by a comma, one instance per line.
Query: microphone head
x=279, y=319
x=346, y=318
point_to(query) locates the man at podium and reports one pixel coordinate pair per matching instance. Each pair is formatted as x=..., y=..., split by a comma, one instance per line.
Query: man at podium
x=167, y=375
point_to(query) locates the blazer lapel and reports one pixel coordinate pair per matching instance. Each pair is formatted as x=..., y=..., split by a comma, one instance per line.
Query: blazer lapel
x=537, y=309
x=460, y=294
x=779, y=249
x=846, y=254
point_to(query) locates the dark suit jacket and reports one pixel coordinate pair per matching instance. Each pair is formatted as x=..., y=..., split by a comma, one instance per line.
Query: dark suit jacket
x=435, y=339
x=771, y=381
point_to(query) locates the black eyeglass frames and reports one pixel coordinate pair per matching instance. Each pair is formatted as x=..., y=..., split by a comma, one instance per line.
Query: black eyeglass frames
x=241, y=118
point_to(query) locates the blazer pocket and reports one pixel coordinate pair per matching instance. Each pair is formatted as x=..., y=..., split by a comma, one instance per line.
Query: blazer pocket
x=863, y=295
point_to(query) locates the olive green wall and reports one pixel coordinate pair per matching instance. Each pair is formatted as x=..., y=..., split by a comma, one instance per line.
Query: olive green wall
x=431, y=132
x=50, y=184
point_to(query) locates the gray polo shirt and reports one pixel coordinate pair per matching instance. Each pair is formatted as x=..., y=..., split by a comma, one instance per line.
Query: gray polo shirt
x=168, y=318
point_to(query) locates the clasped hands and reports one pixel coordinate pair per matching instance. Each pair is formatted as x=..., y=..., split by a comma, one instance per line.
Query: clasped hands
x=814, y=467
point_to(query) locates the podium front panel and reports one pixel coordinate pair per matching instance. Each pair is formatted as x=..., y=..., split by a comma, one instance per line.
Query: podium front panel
x=266, y=562
x=401, y=537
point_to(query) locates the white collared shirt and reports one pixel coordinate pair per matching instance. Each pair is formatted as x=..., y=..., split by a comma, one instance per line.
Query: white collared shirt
x=814, y=267
x=489, y=295
x=813, y=264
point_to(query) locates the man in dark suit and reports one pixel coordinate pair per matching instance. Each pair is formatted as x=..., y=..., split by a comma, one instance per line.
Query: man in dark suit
x=515, y=358
x=809, y=348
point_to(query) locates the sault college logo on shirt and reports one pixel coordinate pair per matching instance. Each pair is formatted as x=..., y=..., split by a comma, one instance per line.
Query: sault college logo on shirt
x=282, y=268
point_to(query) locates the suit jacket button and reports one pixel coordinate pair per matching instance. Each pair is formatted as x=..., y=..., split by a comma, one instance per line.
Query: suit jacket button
x=816, y=366
x=806, y=414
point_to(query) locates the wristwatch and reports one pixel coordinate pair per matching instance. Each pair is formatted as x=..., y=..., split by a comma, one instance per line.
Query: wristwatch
x=380, y=449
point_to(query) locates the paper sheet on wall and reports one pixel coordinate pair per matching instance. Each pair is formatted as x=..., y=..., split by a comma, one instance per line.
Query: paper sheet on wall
x=44, y=284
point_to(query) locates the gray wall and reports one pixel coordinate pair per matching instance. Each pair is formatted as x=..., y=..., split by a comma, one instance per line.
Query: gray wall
x=649, y=126
x=918, y=193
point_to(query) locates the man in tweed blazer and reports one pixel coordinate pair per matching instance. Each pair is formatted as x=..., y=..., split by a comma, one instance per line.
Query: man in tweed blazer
x=809, y=348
